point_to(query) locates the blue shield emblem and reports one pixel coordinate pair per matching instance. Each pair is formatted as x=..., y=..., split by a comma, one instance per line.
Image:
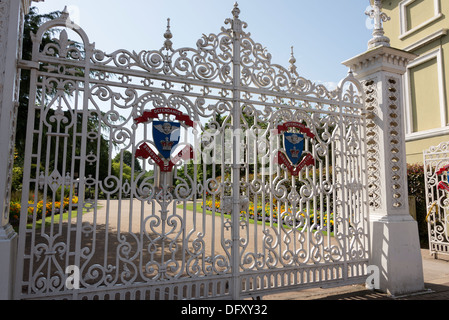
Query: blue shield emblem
x=166, y=136
x=294, y=146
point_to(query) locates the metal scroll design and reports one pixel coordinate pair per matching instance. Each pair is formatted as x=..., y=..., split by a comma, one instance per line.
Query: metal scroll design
x=298, y=207
x=131, y=224
x=436, y=159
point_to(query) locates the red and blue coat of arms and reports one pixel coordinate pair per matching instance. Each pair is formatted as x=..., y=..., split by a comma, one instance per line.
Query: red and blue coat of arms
x=294, y=158
x=166, y=136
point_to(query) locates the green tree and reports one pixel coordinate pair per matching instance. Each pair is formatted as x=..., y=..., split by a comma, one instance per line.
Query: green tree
x=99, y=146
x=32, y=22
x=128, y=159
x=126, y=171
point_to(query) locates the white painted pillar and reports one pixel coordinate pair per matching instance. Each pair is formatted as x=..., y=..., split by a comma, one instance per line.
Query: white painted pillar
x=12, y=14
x=395, y=246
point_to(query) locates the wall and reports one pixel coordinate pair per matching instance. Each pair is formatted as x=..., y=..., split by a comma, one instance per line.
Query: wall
x=421, y=27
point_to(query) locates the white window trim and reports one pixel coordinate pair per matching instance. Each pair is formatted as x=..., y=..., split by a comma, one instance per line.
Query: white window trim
x=410, y=135
x=404, y=21
x=427, y=134
x=426, y=40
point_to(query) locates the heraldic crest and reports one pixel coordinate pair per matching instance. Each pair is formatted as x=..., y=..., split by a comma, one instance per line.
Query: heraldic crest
x=442, y=185
x=294, y=158
x=166, y=136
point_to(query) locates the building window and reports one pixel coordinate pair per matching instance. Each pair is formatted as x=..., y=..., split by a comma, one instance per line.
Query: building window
x=424, y=93
x=416, y=14
x=424, y=89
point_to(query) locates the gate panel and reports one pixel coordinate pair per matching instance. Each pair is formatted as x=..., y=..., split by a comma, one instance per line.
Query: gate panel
x=312, y=226
x=188, y=173
x=436, y=167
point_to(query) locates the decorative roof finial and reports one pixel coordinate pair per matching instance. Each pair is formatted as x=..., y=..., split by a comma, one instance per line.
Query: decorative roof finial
x=237, y=25
x=379, y=38
x=65, y=13
x=292, y=61
x=168, y=35
x=236, y=10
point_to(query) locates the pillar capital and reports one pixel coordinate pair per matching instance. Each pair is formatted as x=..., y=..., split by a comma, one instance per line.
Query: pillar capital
x=383, y=58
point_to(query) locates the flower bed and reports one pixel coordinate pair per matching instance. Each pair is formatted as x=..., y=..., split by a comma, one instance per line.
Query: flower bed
x=263, y=213
x=15, y=207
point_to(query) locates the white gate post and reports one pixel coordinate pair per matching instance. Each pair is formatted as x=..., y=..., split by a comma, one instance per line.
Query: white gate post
x=12, y=14
x=395, y=246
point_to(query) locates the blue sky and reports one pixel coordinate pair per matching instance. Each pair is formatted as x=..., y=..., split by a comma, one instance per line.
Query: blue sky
x=323, y=32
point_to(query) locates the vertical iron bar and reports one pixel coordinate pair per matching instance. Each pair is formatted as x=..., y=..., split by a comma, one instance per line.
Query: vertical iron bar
x=235, y=160
x=82, y=166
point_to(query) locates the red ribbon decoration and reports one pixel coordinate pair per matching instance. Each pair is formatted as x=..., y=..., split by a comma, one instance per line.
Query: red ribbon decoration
x=184, y=154
x=443, y=186
x=308, y=160
x=445, y=168
x=145, y=152
x=153, y=114
x=302, y=128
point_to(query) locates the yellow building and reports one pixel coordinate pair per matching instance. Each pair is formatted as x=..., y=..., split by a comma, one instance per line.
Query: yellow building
x=421, y=27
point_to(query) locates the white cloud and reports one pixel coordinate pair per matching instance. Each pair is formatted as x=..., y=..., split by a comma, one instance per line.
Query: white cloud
x=330, y=85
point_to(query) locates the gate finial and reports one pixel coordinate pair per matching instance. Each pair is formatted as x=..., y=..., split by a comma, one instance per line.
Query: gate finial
x=168, y=35
x=65, y=13
x=236, y=10
x=379, y=38
x=292, y=61
x=237, y=25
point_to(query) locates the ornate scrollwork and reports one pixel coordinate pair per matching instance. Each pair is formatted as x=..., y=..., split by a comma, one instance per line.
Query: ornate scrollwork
x=146, y=224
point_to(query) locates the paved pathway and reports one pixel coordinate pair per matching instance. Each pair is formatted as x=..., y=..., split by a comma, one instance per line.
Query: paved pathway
x=436, y=278
x=194, y=224
x=436, y=271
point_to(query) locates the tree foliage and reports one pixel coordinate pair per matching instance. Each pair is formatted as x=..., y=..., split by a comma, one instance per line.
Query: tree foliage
x=99, y=146
x=33, y=20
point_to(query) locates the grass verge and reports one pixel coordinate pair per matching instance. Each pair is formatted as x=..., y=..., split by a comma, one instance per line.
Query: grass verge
x=189, y=207
x=57, y=218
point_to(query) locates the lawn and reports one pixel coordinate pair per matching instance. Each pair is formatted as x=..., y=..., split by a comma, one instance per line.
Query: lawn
x=199, y=208
x=57, y=217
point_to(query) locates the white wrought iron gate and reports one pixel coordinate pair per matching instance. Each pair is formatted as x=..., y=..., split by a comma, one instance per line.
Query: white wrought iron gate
x=248, y=178
x=436, y=175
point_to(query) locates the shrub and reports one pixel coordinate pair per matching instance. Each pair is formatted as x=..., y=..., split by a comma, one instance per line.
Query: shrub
x=417, y=189
x=14, y=213
x=16, y=180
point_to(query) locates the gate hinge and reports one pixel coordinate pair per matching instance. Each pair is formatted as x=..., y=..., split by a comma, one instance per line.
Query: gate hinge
x=26, y=64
